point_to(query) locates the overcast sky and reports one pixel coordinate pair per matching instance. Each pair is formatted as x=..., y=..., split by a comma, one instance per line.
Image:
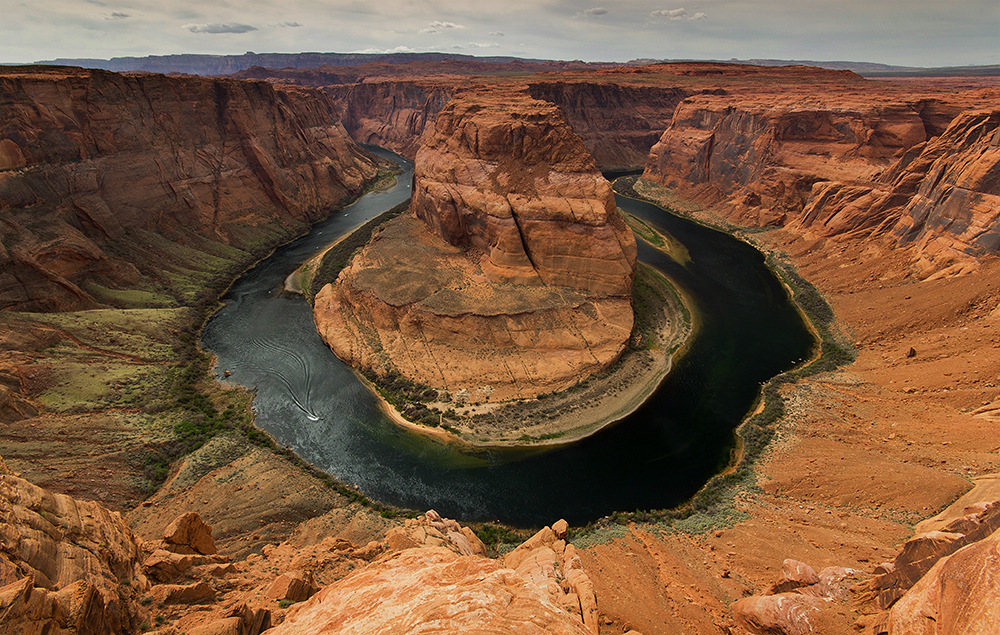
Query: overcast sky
x=907, y=32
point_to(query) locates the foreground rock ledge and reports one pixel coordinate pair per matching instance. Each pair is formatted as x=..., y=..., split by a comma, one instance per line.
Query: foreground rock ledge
x=512, y=278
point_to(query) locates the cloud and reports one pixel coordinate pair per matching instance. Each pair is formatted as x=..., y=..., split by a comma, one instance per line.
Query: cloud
x=220, y=28
x=290, y=25
x=594, y=11
x=398, y=49
x=482, y=45
x=117, y=15
x=673, y=14
x=701, y=15
x=497, y=33
x=437, y=26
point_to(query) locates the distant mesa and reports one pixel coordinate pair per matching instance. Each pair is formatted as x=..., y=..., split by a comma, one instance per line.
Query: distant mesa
x=513, y=275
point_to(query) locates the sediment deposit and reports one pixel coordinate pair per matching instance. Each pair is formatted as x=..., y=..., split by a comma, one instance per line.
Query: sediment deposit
x=514, y=275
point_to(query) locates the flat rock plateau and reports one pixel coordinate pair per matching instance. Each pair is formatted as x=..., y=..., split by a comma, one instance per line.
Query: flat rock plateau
x=123, y=198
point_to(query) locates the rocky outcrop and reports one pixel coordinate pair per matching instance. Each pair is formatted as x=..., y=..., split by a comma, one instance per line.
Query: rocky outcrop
x=915, y=172
x=959, y=595
x=506, y=175
x=549, y=562
x=793, y=605
x=941, y=198
x=430, y=530
x=762, y=159
x=65, y=565
x=431, y=589
x=894, y=580
x=106, y=178
x=514, y=277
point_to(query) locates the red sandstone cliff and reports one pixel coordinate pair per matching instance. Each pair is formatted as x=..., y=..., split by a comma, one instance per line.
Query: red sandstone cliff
x=909, y=169
x=517, y=282
x=390, y=113
x=90, y=161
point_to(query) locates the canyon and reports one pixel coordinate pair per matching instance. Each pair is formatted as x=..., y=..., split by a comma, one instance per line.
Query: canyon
x=881, y=194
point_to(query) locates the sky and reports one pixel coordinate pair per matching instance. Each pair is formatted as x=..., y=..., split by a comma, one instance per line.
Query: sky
x=903, y=32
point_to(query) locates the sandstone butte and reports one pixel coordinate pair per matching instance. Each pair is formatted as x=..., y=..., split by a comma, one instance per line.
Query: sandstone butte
x=863, y=451
x=513, y=275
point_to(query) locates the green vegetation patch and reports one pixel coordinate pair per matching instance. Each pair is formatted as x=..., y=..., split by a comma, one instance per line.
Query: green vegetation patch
x=129, y=298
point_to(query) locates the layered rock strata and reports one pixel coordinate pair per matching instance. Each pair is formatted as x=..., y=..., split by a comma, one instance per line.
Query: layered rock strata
x=514, y=275
x=97, y=169
x=65, y=565
x=917, y=174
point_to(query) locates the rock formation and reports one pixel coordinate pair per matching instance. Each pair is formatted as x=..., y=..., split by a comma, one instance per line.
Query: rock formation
x=915, y=172
x=793, y=605
x=540, y=587
x=959, y=595
x=105, y=178
x=73, y=566
x=942, y=581
x=942, y=197
x=513, y=277
x=65, y=565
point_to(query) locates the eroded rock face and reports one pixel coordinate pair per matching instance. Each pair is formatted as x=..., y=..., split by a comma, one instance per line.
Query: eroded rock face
x=918, y=173
x=515, y=277
x=924, y=551
x=106, y=177
x=506, y=175
x=428, y=590
x=960, y=594
x=65, y=565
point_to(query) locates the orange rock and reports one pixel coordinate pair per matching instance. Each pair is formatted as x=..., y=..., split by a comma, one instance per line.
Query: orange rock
x=182, y=593
x=189, y=534
x=430, y=590
x=959, y=595
x=781, y=614
x=66, y=564
x=293, y=585
x=214, y=158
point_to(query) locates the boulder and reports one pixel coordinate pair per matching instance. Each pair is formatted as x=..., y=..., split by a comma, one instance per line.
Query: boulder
x=182, y=593
x=781, y=614
x=189, y=534
x=296, y=586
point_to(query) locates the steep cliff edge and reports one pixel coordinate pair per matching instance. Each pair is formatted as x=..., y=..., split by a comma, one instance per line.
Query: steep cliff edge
x=617, y=122
x=916, y=172
x=97, y=169
x=514, y=275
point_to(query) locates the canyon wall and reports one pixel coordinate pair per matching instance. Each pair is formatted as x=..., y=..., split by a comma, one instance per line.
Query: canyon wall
x=514, y=275
x=391, y=114
x=106, y=179
x=919, y=173
x=617, y=122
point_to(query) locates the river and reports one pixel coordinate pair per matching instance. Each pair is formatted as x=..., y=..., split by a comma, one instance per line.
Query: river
x=656, y=458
